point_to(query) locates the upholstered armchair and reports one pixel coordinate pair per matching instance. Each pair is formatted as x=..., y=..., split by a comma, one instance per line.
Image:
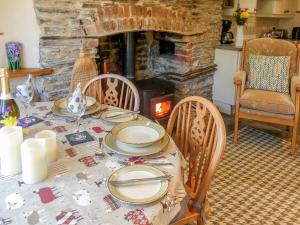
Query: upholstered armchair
x=265, y=105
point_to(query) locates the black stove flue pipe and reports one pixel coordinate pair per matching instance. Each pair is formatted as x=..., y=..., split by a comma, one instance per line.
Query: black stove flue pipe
x=129, y=55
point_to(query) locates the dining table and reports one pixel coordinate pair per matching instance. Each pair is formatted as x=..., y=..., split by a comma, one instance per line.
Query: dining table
x=75, y=190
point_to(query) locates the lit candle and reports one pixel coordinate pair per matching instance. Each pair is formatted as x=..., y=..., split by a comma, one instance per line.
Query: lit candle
x=11, y=138
x=50, y=138
x=34, y=162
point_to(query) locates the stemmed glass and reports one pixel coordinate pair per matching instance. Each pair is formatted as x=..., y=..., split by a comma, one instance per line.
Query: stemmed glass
x=77, y=108
x=25, y=94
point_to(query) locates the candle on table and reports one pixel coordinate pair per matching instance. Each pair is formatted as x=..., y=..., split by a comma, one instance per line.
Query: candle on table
x=34, y=161
x=11, y=138
x=50, y=138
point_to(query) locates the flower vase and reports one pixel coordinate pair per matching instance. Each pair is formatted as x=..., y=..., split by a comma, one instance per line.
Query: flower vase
x=13, y=51
x=239, y=38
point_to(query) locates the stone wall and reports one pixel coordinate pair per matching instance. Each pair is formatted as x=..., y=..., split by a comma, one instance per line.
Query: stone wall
x=192, y=53
x=67, y=24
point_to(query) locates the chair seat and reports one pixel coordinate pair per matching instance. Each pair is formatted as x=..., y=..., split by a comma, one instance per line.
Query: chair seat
x=267, y=101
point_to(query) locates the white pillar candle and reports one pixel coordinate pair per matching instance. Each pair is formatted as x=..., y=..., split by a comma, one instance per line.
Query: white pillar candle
x=34, y=162
x=11, y=138
x=50, y=138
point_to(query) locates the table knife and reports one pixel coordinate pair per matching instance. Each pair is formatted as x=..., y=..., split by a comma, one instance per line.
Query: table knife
x=122, y=114
x=146, y=163
x=134, y=181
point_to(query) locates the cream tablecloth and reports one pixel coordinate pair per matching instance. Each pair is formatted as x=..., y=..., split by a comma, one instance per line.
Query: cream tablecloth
x=75, y=191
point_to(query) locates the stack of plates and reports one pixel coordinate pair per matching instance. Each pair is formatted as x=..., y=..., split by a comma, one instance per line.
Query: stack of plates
x=137, y=138
x=60, y=107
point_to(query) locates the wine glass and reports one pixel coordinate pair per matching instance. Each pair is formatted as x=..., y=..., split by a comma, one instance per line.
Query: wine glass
x=25, y=93
x=77, y=106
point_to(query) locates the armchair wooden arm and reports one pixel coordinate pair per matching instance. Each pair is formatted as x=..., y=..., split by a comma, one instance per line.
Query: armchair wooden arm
x=295, y=87
x=240, y=80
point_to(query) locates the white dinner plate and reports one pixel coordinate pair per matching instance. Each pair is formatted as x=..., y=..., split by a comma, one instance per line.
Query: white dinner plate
x=123, y=149
x=138, y=193
x=123, y=118
x=138, y=133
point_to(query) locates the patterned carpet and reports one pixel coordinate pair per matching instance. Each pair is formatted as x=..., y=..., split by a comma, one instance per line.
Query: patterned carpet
x=258, y=182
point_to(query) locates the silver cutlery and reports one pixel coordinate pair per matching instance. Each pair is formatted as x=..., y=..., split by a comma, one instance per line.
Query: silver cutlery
x=171, y=200
x=98, y=114
x=64, y=118
x=146, y=163
x=153, y=157
x=134, y=181
x=122, y=114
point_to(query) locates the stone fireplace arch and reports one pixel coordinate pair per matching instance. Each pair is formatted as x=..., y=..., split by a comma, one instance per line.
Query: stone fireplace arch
x=64, y=25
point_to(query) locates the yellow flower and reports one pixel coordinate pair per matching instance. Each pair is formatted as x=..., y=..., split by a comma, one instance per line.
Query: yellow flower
x=9, y=121
x=244, y=15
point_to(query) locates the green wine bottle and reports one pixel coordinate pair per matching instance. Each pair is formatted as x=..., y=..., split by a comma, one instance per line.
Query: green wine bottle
x=8, y=106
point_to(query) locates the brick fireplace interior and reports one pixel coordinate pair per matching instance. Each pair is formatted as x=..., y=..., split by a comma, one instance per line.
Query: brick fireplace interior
x=174, y=40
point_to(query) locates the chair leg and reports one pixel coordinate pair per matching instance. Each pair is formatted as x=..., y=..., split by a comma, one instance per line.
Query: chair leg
x=236, y=113
x=236, y=127
x=295, y=127
x=206, y=206
x=200, y=221
x=294, y=139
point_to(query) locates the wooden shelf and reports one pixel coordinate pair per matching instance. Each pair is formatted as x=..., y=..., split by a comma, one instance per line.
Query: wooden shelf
x=26, y=71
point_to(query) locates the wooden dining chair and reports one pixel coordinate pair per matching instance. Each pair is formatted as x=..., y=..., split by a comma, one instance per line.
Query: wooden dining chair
x=199, y=132
x=114, y=90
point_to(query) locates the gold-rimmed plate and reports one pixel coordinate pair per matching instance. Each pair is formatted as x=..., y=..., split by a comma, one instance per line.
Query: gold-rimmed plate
x=124, y=149
x=138, y=193
x=141, y=133
x=63, y=112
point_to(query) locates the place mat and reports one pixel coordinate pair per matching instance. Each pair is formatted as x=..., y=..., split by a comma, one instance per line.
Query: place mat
x=31, y=120
x=73, y=142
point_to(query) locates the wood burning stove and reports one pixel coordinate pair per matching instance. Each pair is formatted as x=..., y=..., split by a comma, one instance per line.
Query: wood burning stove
x=157, y=98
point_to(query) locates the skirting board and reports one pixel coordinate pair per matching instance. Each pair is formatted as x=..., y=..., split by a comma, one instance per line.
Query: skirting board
x=224, y=107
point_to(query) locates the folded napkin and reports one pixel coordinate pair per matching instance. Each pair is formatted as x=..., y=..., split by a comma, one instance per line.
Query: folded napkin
x=77, y=103
x=26, y=90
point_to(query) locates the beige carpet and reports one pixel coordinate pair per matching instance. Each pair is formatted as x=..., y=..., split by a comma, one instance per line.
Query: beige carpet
x=258, y=182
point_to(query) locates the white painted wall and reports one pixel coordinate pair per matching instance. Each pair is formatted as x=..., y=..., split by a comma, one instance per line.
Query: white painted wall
x=18, y=23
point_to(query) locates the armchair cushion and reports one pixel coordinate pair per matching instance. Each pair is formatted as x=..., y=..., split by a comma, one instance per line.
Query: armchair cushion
x=268, y=101
x=263, y=113
x=270, y=47
x=270, y=73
